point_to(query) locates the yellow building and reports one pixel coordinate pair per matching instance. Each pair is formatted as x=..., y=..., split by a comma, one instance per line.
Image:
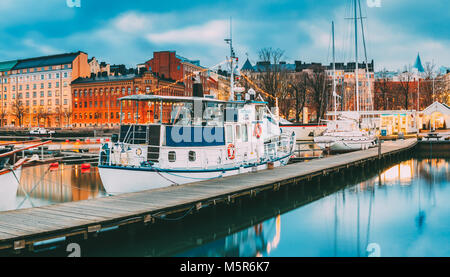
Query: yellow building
x=36, y=91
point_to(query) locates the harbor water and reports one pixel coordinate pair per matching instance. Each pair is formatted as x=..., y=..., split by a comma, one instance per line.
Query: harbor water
x=399, y=208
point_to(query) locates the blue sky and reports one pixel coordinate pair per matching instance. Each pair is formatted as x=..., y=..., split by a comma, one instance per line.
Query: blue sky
x=118, y=31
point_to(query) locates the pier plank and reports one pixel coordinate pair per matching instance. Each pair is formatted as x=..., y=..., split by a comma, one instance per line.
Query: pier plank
x=35, y=223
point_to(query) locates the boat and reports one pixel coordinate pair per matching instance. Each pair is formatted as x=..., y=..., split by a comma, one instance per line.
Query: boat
x=10, y=173
x=223, y=138
x=344, y=133
x=303, y=131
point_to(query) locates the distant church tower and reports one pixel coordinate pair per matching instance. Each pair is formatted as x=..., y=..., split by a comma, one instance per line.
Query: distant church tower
x=418, y=65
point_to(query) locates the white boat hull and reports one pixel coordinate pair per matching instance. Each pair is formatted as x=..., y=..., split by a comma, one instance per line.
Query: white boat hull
x=345, y=146
x=8, y=189
x=118, y=180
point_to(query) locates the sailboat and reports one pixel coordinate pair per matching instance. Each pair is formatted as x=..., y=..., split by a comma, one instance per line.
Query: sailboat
x=343, y=133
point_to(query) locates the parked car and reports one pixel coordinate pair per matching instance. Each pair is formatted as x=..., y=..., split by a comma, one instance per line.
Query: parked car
x=41, y=131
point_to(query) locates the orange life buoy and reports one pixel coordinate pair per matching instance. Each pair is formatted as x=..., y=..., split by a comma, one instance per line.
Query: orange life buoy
x=258, y=130
x=231, y=151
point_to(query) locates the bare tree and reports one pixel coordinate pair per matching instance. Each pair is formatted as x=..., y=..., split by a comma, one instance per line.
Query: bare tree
x=299, y=90
x=18, y=111
x=273, y=75
x=382, y=90
x=320, y=88
x=42, y=114
x=68, y=115
x=406, y=85
x=3, y=115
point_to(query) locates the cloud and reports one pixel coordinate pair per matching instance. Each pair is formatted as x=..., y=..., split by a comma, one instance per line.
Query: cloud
x=133, y=22
x=40, y=48
x=212, y=33
x=388, y=43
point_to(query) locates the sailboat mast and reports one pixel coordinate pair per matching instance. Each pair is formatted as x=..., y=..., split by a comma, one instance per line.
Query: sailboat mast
x=356, y=58
x=334, y=73
x=365, y=55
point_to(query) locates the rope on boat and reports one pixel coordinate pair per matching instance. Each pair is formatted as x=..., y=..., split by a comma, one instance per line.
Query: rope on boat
x=27, y=196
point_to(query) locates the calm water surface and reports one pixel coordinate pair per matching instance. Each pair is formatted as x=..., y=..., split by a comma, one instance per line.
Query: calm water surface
x=401, y=209
x=42, y=185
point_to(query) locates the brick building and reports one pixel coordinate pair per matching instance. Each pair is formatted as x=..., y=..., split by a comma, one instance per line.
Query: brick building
x=169, y=65
x=96, y=99
x=36, y=91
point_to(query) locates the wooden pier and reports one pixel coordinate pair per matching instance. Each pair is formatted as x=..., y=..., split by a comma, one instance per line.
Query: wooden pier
x=21, y=229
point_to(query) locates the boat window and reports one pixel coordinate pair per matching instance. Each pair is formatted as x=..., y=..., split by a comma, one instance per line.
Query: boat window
x=238, y=132
x=192, y=156
x=229, y=134
x=245, y=133
x=172, y=156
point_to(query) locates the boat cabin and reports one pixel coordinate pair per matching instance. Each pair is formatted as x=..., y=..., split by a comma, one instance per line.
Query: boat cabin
x=200, y=132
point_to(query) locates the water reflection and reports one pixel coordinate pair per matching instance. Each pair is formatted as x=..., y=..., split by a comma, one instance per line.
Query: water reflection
x=403, y=209
x=44, y=185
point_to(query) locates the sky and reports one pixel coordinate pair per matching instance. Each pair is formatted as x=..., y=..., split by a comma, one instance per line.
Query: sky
x=128, y=32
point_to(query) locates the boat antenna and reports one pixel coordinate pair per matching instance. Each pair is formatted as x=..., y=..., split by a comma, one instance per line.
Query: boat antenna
x=232, y=58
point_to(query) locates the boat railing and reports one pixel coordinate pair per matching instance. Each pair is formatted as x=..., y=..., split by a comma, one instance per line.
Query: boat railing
x=271, y=151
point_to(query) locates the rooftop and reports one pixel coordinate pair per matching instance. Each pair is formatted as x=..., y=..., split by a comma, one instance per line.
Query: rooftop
x=47, y=60
x=6, y=66
x=104, y=79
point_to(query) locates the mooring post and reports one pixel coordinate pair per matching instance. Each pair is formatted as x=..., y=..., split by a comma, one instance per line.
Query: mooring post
x=379, y=148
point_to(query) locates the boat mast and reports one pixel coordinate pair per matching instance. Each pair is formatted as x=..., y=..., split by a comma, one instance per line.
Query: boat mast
x=334, y=73
x=356, y=58
x=365, y=54
x=232, y=57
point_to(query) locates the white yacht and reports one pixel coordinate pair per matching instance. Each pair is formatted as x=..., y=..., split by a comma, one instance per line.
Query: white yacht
x=204, y=139
x=344, y=135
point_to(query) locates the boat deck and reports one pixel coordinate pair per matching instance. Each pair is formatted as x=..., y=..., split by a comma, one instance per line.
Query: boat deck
x=23, y=228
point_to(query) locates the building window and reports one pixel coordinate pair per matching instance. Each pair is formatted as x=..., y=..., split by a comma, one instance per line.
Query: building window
x=75, y=93
x=172, y=156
